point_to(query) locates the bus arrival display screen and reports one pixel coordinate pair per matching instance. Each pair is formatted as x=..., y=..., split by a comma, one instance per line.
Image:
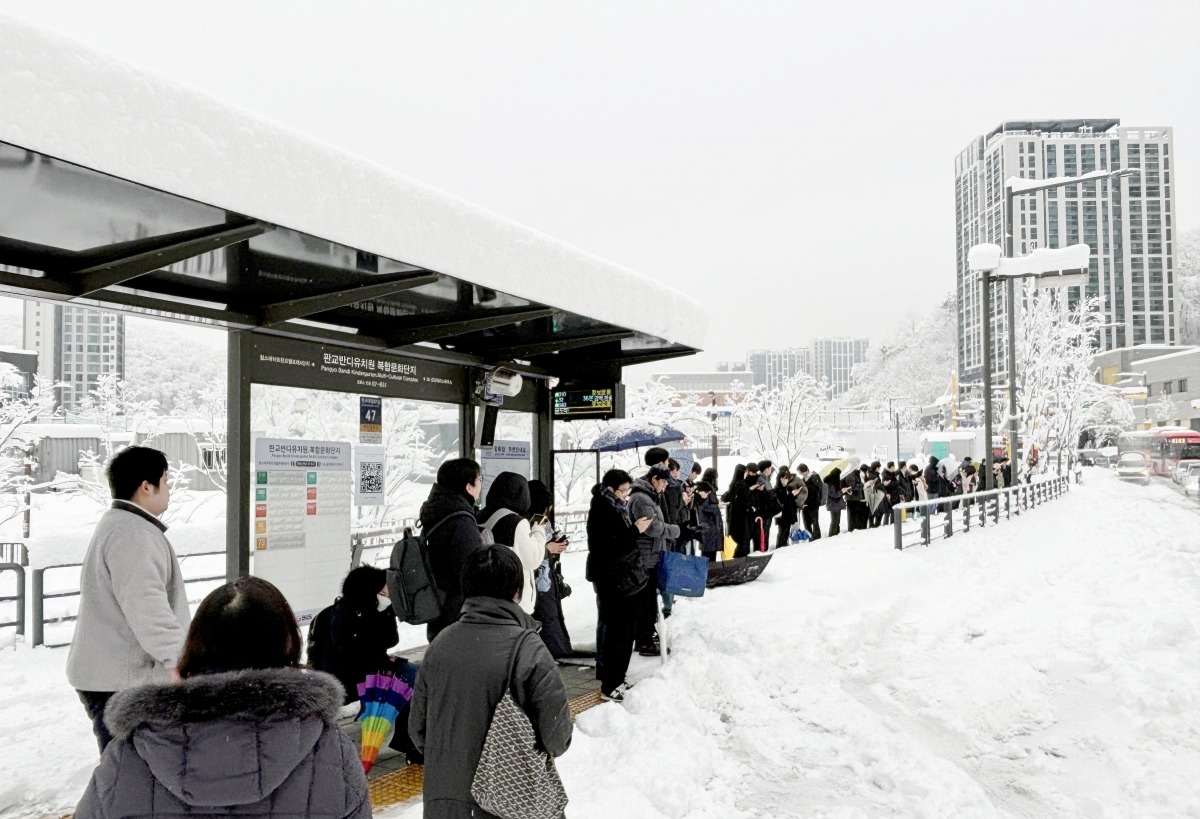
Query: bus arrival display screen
x=593, y=403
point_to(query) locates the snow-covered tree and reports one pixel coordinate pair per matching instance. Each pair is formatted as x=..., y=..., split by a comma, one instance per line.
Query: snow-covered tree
x=916, y=362
x=15, y=413
x=784, y=422
x=1163, y=409
x=1187, y=286
x=1055, y=376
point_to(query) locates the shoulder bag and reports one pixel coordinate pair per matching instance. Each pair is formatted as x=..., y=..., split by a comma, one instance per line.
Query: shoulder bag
x=514, y=778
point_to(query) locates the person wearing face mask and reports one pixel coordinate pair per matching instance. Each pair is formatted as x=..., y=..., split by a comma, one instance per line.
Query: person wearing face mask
x=362, y=627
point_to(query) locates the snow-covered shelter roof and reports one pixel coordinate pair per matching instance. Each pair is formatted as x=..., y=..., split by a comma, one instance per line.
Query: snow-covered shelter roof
x=129, y=190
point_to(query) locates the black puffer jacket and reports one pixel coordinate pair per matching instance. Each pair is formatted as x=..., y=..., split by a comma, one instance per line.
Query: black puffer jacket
x=449, y=547
x=508, y=491
x=259, y=743
x=462, y=680
x=611, y=536
x=359, y=637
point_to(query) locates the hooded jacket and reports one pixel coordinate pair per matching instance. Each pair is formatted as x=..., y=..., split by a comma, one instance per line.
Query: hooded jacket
x=644, y=503
x=257, y=743
x=510, y=491
x=449, y=547
x=933, y=482
x=462, y=680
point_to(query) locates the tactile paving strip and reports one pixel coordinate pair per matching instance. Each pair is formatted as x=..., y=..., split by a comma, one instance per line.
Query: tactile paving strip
x=397, y=786
x=406, y=783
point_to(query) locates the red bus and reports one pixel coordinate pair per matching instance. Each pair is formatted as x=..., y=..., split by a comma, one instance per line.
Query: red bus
x=1163, y=447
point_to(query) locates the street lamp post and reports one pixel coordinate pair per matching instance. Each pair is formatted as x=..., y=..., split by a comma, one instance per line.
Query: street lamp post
x=1060, y=267
x=1013, y=187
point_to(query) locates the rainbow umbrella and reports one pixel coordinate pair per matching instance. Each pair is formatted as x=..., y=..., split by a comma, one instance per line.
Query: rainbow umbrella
x=382, y=695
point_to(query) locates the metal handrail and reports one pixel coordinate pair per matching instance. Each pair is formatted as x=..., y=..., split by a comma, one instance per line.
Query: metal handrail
x=38, y=597
x=18, y=598
x=1013, y=499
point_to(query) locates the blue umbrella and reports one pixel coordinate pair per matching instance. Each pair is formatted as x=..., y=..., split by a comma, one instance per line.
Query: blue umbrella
x=617, y=437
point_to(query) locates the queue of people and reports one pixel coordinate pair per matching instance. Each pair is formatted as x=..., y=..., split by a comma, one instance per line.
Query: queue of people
x=193, y=715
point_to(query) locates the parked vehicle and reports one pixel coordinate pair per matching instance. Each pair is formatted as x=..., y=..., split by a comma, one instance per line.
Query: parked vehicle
x=1133, y=466
x=1191, y=481
x=1182, y=468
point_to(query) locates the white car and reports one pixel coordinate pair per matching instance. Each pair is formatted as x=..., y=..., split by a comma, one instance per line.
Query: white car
x=1182, y=468
x=1132, y=466
x=1191, y=480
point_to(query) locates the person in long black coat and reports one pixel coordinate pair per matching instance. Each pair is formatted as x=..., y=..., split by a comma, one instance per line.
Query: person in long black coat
x=709, y=521
x=740, y=511
x=362, y=627
x=836, y=501
x=857, y=513
x=615, y=570
x=451, y=503
x=787, y=486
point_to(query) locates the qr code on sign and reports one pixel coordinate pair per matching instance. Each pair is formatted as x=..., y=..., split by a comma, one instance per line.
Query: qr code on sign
x=370, y=478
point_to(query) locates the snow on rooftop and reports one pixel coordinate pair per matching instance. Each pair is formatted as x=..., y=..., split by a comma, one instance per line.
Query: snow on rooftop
x=1179, y=354
x=67, y=100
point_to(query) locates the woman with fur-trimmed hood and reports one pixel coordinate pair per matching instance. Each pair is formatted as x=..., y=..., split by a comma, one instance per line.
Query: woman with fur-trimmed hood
x=245, y=733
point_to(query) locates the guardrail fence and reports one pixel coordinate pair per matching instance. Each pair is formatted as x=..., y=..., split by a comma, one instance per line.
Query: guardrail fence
x=926, y=521
x=18, y=571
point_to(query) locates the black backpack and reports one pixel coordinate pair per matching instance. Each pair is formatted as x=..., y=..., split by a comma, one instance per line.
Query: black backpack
x=320, y=640
x=411, y=586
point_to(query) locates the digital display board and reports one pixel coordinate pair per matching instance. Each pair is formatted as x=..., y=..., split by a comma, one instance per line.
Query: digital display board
x=589, y=403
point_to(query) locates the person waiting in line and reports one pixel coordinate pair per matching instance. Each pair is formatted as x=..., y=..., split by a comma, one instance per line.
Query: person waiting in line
x=933, y=483
x=856, y=499
x=709, y=521
x=710, y=477
x=644, y=502
x=550, y=585
x=362, y=627
x=504, y=516
x=618, y=576
x=835, y=501
x=244, y=733
x=133, y=606
x=788, y=489
x=451, y=508
x=465, y=674
x=739, y=511
x=810, y=511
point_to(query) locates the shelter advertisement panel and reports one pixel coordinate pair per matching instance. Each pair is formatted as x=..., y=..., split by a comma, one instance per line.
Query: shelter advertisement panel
x=301, y=513
x=504, y=456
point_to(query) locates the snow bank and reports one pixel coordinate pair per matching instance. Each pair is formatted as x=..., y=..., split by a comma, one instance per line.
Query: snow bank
x=67, y=100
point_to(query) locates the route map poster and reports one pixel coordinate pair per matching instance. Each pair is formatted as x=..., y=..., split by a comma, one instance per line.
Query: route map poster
x=301, y=500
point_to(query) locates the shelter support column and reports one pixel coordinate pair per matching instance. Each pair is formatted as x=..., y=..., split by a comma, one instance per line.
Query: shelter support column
x=543, y=437
x=238, y=460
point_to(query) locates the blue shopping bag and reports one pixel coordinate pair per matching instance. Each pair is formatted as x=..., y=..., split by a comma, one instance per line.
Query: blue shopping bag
x=799, y=536
x=682, y=575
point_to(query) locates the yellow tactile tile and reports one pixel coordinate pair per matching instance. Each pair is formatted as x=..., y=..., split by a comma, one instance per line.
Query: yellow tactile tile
x=585, y=701
x=406, y=783
x=397, y=786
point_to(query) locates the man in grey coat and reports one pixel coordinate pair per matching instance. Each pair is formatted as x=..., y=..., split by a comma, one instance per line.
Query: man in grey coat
x=646, y=501
x=465, y=674
x=133, y=608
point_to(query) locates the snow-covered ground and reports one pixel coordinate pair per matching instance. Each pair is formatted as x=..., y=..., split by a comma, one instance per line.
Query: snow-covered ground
x=1046, y=667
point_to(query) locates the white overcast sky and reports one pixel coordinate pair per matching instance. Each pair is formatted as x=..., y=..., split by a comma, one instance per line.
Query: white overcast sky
x=788, y=163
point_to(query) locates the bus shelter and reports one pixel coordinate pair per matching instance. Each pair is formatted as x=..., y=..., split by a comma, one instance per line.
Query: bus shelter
x=124, y=191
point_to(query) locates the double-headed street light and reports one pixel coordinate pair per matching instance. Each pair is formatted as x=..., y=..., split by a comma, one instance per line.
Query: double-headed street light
x=1016, y=187
x=1059, y=267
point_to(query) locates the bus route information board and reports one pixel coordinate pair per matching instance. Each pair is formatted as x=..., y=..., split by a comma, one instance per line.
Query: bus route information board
x=302, y=499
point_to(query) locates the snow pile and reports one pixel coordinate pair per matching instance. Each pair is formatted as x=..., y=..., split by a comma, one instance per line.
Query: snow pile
x=67, y=100
x=1046, y=667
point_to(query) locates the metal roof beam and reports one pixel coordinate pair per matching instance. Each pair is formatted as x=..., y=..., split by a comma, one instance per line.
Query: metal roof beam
x=438, y=327
x=378, y=287
x=624, y=360
x=526, y=351
x=92, y=270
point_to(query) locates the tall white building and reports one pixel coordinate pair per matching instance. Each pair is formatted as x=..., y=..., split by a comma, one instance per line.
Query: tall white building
x=834, y=359
x=1127, y=222
x=772, y=367
x=75, y=345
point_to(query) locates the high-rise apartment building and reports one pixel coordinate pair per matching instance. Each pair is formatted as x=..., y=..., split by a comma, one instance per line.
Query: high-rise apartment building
x=772, y=367
x=834, y=359
x=75, y=345
x=1127, y=222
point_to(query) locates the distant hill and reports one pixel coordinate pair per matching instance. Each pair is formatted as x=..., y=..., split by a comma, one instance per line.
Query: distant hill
x=174, y=364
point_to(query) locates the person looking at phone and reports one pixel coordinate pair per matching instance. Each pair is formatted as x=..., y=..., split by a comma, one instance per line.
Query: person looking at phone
x=504, y=516
x=551, y=586
x=618, y=575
